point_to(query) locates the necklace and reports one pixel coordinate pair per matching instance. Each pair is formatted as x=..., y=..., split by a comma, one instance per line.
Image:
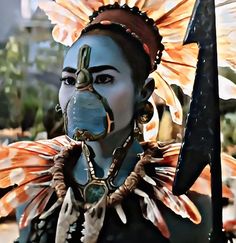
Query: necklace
x=97, y=187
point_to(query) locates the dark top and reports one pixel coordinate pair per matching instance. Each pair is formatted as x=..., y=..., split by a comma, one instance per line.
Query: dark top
x=137, y=229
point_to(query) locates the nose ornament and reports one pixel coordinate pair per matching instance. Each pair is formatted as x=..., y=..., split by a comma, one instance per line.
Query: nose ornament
x=84, y=79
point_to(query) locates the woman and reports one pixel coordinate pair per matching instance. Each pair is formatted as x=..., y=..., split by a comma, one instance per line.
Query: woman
x=99, y=184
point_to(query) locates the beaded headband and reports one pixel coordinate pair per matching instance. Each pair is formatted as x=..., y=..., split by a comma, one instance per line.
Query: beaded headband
x=136, y=23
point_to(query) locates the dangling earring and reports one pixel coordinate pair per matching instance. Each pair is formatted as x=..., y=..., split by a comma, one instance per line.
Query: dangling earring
x=144, y=112
x=58, y=108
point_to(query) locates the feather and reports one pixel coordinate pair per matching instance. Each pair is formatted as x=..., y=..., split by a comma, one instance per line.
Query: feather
x=227, y=89
x=111, y=2
x=151, y=212
x=68, y=25
x=179, y=66
x=140, y=3
x=61, y=141
x=79, y=8
x=140, y=193
x=181, y=205
x=203, y=183
x=50, y=211
x=226, y=32
x=94, y=4
x=149, y=180
x=156, y=11
x=36, y=147
x=105, y=2
x=59, y=14
x=16, y=164
x=131, y=3
x=165, y=92
x=191, y=210
x=17, y=176
x=121, y=213
x=122, y=2
x=21, y=158
x=20, y=195
x=36, y=206
x=58, y=143
x=150, y=130
x=166, y=172
x=230, y=226
x=180, y=10
x=64, y=35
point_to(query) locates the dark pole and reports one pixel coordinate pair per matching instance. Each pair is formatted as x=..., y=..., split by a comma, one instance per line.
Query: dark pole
x=201, y=144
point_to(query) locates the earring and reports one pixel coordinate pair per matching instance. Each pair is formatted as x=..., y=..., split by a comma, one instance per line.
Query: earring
x=58, y=108
x=144, y=112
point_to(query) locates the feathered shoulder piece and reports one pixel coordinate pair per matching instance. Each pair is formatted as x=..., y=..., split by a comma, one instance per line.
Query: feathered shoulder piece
x=29, y=166
x=163, y=159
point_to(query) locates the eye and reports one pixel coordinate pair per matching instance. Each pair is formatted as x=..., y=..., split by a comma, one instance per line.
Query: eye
x=68, y=80
x=104, y=79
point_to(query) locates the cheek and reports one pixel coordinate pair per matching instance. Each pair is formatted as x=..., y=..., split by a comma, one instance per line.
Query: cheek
x=121, y=101
x=64, y=96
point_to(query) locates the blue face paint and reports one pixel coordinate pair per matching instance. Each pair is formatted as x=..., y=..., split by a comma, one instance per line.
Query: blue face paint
x=90, y=97
x=87, y=115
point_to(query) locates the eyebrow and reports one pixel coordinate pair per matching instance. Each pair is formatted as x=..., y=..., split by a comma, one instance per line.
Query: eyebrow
x=95, y=69
x=101, y=68
x=69, y=70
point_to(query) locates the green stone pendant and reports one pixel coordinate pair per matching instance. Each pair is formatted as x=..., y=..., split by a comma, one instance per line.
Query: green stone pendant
x=94, y=191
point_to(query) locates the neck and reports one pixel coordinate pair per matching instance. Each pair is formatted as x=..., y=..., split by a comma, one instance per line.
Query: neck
x=103, y=151
x=104, y=148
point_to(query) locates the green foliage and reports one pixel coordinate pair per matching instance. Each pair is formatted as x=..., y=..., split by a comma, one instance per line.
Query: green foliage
x=228, y=127
x=25, y=96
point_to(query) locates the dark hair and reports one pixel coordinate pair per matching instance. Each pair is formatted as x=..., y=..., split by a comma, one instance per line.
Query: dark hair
x=132, y=48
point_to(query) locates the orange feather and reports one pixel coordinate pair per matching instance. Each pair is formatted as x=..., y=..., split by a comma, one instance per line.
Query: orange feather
x=20, y=195
x=37, y=147
x=36, y=206
x=152, y=213
x=19, y=175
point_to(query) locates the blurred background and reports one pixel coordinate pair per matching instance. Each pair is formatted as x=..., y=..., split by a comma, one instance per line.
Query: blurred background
x=30, y=66
x=30, y=63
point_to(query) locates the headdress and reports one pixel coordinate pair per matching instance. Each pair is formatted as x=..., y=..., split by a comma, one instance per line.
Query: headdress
x=145, y=19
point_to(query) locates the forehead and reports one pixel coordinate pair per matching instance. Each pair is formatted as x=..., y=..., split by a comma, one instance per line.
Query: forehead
x=104, y=51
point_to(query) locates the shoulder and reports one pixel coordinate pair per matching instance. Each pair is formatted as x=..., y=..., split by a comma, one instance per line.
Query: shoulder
x=188, y=217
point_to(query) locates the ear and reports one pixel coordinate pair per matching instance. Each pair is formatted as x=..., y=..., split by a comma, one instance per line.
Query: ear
x=147, y=90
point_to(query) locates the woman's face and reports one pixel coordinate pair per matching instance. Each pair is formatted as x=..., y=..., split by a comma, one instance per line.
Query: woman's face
x=112, y=79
